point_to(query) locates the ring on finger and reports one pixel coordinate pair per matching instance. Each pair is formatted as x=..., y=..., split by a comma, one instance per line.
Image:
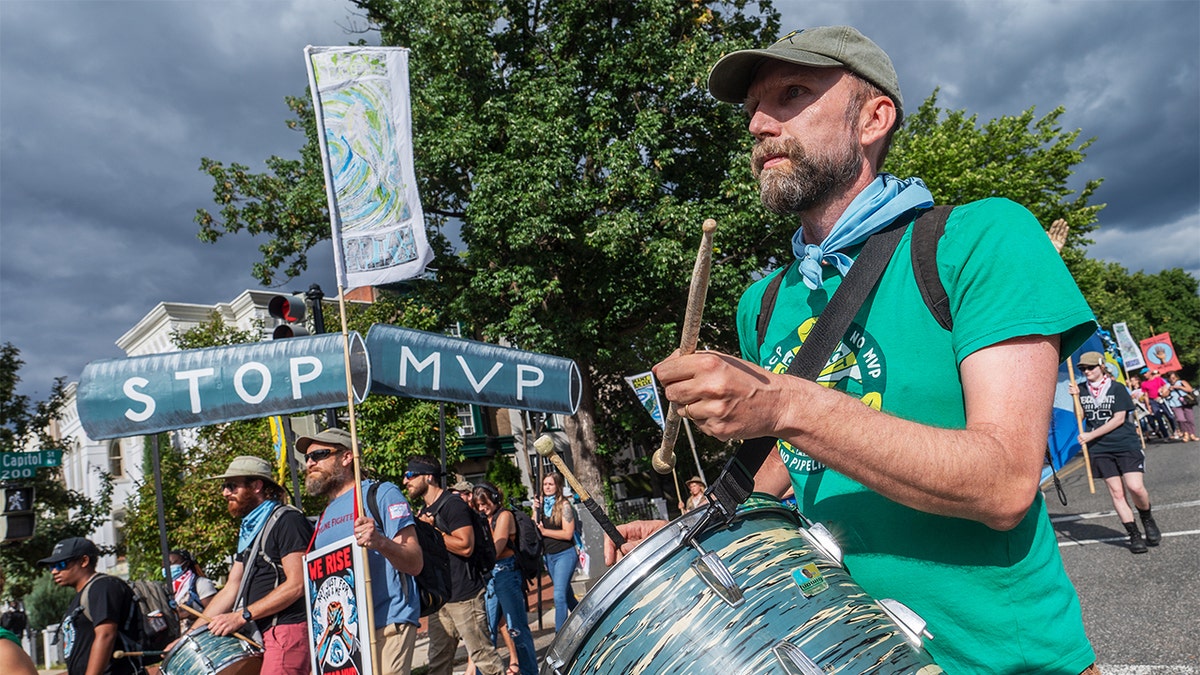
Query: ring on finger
x=684, y=412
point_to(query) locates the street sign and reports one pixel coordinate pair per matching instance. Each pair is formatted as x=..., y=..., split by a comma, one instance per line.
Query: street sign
x=19, y=472
x=33, y=460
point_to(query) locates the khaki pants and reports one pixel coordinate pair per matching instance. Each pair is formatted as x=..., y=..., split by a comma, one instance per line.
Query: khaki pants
x=465, y=619
x=394, y=645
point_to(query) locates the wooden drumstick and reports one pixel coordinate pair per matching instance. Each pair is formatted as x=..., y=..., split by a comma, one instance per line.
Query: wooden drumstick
x=202, y=615
x=545, y=447
x=664, y=459
x=121, y=654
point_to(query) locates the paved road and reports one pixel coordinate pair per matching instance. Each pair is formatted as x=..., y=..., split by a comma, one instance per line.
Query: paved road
x=1140, y=610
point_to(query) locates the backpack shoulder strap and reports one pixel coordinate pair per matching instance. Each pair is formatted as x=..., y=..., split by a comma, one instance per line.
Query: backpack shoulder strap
x=372, y=503
x=257, y=549
x=83, y=595
x=927, y=232
x=767, y=308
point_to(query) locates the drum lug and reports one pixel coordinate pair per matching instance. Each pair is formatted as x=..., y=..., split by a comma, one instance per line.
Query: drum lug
x=909, y=621
x=794, y=661
x=823, y=540
x=717, y=576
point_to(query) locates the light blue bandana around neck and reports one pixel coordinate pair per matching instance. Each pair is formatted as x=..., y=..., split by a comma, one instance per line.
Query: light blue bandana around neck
x=253, y=522
x=880, y=203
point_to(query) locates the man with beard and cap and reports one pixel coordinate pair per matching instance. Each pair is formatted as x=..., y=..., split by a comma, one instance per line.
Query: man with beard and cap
x=395, y=557
x=920, y=446
x=273, y=581
x=101, y=618
x=464, y=614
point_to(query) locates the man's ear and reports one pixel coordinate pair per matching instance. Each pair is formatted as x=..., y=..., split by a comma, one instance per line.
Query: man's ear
x=876, y=120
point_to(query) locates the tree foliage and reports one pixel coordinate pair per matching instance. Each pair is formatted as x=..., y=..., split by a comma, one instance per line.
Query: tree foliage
x=60, y=512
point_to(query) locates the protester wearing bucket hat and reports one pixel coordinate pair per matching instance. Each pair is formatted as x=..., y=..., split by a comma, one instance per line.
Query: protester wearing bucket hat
x=264, y=594
x=956, y=482
x=695, y=497
x=1115, y=450
x=100, y=618
x=387, y=531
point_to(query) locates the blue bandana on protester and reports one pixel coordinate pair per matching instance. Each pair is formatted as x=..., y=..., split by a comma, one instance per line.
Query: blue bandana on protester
x=253, y=522
x=880, y=203
x=548, y=505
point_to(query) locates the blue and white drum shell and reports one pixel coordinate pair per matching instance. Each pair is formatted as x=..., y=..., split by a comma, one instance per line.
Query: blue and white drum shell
x=202, y=653
x=801, y=612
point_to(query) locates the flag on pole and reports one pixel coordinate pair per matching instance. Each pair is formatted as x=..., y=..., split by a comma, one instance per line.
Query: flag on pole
x=1063, y=440
x=1160, y=353
x=1130, y=352
x=279, y=442
x=647, y=392
x=361, y=103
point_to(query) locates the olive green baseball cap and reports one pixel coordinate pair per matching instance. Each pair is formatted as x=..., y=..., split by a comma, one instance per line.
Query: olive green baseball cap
x=821, y=47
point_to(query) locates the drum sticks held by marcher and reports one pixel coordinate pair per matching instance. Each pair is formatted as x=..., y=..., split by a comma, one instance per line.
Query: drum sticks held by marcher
x=202, y=615
x=664, y=458
x=545, y=447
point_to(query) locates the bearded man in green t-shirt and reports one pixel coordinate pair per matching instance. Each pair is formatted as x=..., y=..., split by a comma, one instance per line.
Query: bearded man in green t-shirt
x=920, y=447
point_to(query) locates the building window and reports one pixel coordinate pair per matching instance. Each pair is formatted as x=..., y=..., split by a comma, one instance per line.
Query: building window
x=116, y=461
x=466, y=421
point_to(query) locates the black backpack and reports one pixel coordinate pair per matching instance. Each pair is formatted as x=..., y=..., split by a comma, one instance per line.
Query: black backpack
x=483, y=556
x=528, y=548
x=129, y=633
x=160, y=619
x=433, y=583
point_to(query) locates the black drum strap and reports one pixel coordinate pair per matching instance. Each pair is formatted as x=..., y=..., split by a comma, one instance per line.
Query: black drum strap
x=736, y=481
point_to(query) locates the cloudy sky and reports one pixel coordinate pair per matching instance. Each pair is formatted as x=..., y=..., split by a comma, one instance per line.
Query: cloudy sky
x=107, y=107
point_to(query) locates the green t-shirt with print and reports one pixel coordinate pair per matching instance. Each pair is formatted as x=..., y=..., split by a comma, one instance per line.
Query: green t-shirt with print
x=995, y=601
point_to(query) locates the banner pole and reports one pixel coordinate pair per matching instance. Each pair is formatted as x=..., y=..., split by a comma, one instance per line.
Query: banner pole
x=367, y=635
x=1087, y=461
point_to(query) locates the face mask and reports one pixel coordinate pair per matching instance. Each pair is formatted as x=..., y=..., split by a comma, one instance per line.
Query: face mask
x=176, y=571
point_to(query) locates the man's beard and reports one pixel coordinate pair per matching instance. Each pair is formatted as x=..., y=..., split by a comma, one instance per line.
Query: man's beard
x=322, y=482
x=808, y=180
x=240, y=506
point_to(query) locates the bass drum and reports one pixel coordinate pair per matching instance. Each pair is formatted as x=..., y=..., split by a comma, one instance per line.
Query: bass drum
x=202, y=653
x=763, y=595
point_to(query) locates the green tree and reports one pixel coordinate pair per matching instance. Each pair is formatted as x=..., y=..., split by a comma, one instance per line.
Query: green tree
x=60, y=512
x=577, y=147
x=1022, y=157
x=47, y=602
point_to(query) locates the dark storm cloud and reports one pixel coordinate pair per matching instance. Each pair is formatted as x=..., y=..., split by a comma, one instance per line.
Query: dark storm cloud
x=107, y=107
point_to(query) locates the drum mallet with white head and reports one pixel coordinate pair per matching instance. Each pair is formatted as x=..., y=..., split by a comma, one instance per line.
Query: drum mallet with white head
x=545, y=447
x=664, y=459
x=121, y=655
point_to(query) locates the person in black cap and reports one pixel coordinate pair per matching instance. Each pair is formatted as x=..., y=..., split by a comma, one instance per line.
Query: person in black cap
x=923, y=443
x=464, y=614
x=265, y=588
x=101, y=618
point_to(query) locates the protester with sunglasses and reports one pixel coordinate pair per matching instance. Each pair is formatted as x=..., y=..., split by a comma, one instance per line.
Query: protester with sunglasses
x=101, y=617
x=1116, y=453
x=273, y=598
x=463, y=615
x=395, y=555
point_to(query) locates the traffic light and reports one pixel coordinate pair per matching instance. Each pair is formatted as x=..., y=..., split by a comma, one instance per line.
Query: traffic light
x=290, y=309
x=16, y=522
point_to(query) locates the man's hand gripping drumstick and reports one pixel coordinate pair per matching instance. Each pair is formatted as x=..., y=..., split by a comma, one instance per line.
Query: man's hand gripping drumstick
x=664, y=459
x=202, y=615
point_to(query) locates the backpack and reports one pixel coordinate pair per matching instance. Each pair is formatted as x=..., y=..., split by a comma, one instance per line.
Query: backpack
x=129, y=634
x=483, y=556
x=433, y=583
x=528, y=548
x=160, y=619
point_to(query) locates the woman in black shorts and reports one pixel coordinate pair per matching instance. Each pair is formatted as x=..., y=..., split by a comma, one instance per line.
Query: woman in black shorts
x=1114, y=447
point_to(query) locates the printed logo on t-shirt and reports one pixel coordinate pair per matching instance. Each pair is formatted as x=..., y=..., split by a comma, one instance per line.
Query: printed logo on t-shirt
x=68, y=632
x=398, y=511
x=856, y=367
